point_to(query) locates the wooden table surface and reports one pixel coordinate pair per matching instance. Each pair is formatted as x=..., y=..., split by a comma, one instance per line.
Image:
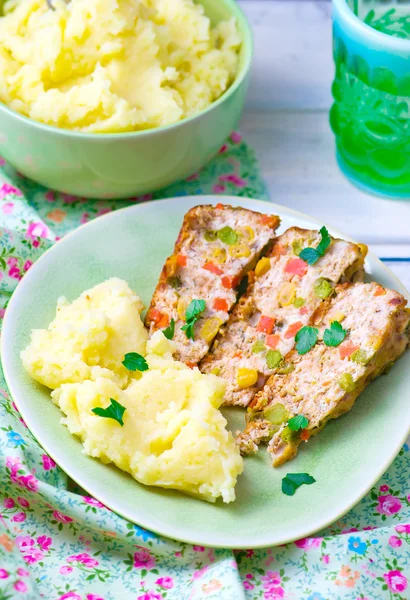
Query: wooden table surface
x=286, y=121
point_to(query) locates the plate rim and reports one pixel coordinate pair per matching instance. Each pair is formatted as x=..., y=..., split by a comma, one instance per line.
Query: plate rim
x=167, y=530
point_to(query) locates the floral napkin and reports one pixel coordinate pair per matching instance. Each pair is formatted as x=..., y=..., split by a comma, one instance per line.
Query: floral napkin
x=58, y=543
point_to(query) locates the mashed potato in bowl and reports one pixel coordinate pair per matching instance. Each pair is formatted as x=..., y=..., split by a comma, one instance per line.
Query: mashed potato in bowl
x=109, y=66
x=173, y=434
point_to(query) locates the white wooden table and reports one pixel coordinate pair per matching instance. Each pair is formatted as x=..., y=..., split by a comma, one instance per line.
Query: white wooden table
x=286, y=121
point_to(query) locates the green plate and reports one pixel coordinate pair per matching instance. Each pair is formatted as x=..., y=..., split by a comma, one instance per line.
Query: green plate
x=346, y=459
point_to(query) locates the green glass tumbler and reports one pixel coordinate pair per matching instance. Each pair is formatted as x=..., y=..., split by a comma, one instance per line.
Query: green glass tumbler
x=370, y=116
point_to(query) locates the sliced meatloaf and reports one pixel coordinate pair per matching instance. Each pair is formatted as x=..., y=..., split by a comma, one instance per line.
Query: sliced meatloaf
x=325, y=381
x=215, y=248
x=282, y=296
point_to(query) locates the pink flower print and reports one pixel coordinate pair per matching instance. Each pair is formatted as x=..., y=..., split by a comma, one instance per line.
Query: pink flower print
x=36, y=230
x=250, y=553
x=308, y=543
x=24, y=542
x=65, y=570
x=223, y=149
x=271, y=578
x=15, y=273
x=234, y=179
x=8, y=208
x=50, y=196
x=93, y=597
x=218, y=188
x=70, y=596
x=12, y=462
x=2, y=161
x=29, y=482
x=149, y=596
x=388, y=505
x=36, y=244
x=12, y=261
x=236, y=137
x=33, y=556
x=198, y=574
x=248, y=585
x=8, y=502
x=249, y=576
x=193, y=177
x=3, y=574
x=6, y=189
x=165, y=582
x=143, y=560
x=326, y=559
x=384, y=488
x=18, y=517
x=93, y=502
x=44, y=542
x=48, y=462
x=199, y=548
x=62, y=518
x=23, y=502
x=103, y=211
x=69, y=198
x=84, y=218
x=27, y=265
x=402, y=528
x=85, y=559
x=394, y=541
x=22, y=572
x=20, y=586
x=274, y=593
x=396, y=581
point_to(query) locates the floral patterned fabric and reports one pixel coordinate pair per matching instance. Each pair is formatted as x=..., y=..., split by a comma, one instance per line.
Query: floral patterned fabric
x=57, y=543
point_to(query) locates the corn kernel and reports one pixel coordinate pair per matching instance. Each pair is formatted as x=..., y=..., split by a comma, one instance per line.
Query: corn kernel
x=337, y=316
x=287, y=294
x=240, y=251
x=181, y=308
x=219, y=254
x=216, y=371
x=210, y=328
x=246, y=377
x=248, y=234
x=262, y=267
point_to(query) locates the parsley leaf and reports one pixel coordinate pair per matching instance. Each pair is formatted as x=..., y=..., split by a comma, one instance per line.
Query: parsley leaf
x=312, y=255
x=170, y=330
x=335, y=335
x=135, y=362
x=298, y=422
x=293, y=481
x=306, y=338
x=114, y=411
x=194, y=310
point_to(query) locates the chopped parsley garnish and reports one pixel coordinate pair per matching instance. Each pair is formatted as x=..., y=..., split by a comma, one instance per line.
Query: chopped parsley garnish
x=194, y=310
x=306, y=338
x=114, y=411
x=228, y=236
x=312, y=255
x=135, y=362
x=170, y=330
x=293, y=481
x=298, y=422
x=335, y=335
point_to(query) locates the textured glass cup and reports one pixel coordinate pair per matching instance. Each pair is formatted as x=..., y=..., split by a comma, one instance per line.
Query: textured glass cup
x=370, y=116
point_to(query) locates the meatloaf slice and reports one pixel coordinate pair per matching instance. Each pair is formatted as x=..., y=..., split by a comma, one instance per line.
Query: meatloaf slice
x=282, y=296
x=326, y=380
x=215, y=248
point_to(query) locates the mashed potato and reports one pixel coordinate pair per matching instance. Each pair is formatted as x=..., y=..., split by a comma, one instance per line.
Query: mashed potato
x=173, y=435
x=113, y=65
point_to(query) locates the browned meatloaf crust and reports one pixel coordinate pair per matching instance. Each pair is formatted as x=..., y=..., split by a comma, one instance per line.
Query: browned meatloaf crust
x=282, y=296
x=326, y=381
x=215, y=248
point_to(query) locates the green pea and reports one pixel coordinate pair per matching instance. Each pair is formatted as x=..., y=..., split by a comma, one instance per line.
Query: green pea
x=286, y=368
x=276, y=414
x=323, y=288
x=273, y=358
x=289, y=436
x=228, y=236
x=347, y=383
x=298, y=302
x=297, y=247
x=258, y=346
x=210, y=236
x=360, y=356
x=174, y=282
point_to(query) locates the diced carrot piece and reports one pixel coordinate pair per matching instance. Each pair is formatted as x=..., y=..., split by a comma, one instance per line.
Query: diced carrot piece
x=296, y=266
x=293, y=329
x=303, y=310
x=380, y=291
x=347, y=349
x=278, y=250
x=230, y=283
x=269, y=220
x=181, y=260
x=220, y=205
x=272, y=341
x=156, y=316
x=190, y=364
x=221, y=304
x=163, y=322
x=212, y=268
x=266, y=324
x=238, y=354
x=304, y=435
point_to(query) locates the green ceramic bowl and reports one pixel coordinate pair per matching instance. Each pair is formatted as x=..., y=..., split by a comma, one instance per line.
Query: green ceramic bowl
x=128, y=164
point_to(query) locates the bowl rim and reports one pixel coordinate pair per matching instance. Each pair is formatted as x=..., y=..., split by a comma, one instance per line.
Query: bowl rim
x=248, y=46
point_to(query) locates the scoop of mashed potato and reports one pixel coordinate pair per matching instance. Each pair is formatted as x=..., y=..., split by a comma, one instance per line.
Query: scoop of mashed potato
x=92, y=333
x=113, y=65
x=173, y=436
